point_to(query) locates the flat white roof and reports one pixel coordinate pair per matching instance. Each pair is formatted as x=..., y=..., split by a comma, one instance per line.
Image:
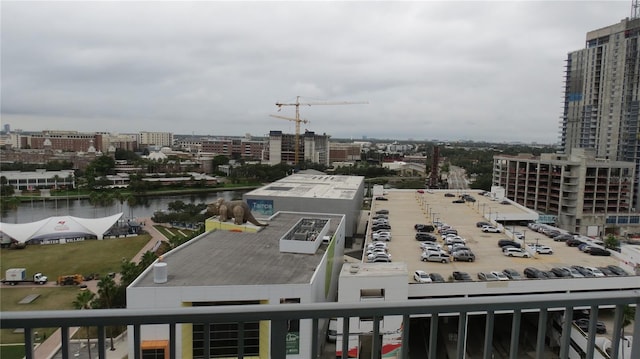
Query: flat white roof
x=312, y=186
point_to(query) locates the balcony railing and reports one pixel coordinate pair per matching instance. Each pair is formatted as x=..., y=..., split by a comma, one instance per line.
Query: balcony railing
x=280, y=315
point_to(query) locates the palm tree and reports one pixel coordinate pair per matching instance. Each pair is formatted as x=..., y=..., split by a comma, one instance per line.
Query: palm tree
x=83, y=301
x=107, y=290
x=628, y=314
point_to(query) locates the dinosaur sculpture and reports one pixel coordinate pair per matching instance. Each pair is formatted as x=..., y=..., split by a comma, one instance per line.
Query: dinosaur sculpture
x=238, y=210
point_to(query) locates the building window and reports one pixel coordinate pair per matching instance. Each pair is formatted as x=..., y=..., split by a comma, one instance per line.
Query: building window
x=224, y=336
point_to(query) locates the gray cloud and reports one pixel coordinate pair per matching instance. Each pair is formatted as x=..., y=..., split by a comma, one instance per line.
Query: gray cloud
x=448, y=70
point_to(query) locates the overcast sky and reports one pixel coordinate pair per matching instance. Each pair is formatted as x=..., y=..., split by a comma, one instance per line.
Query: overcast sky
x=447, y=70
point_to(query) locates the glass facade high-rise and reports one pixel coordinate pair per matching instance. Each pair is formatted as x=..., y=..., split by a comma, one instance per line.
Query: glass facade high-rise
x=601, y=100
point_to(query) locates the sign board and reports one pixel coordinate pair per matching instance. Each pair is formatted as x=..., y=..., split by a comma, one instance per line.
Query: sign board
x=261, y=206
x=293, y=343
x=547, y=219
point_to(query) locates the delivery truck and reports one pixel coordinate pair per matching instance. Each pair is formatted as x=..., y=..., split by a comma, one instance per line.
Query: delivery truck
x=19, y=275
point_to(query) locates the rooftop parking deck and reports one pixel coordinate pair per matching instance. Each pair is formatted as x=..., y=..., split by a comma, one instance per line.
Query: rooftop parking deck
x=408, y=207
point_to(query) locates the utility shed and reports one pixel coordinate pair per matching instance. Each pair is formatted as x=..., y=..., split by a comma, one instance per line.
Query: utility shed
x=316, y=193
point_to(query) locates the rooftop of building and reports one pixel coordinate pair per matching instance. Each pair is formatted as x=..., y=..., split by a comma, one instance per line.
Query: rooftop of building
x=408, y=207
x=225, y=258
x=312, y=186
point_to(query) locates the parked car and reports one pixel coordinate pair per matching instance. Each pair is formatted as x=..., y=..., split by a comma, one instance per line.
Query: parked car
x=500, y=275
x=458, y=201
x=541, y=249
x=380, y=259
x=490, y=229
x=457, y=247
x=436, y=278
x=563, y=237
x=448, y=194
x=374, y=245
x=382, y=236
x=583, y=324
x=595, y=271
x=598, y=251
x=375, y=255
x=454, y=239
x=461, y=276
x=574, y=273
x=424, y=227
x=423, y=236
x=376, y=251
x=380, y=226
x=516, y=252
x=382, y=211
x=430, y=245
x=607, y=272
x=573, y=242
x=449, y=231
x=379, y=198
x=463, y=256
x=512, y=274
x=421, y=276
x=482, y=224
x=508, y=242
x=534, y=273
x=617, y=270
x=561, y=272
x=487, y=277
x=434, y=257
x=518, y=235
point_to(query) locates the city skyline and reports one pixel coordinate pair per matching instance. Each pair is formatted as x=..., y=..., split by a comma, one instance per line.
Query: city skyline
x=481, y=71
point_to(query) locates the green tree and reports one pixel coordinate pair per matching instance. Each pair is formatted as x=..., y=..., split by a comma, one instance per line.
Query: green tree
x=107, y=292
x=83, y=301
x=611, y=242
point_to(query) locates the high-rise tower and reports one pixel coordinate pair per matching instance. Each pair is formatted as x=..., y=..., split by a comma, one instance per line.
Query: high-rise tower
x=601, y=99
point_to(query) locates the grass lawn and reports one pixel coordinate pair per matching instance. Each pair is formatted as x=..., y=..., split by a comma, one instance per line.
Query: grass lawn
x=51, y=298
x=52, y=260
x=84, y=257
x=12, y=352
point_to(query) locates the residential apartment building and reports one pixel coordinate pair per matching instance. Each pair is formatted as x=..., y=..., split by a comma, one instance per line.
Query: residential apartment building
x=601, y=100
x=161, y=139
x=586, y=194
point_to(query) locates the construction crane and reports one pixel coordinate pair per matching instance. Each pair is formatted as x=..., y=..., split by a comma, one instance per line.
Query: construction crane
x=298, y=120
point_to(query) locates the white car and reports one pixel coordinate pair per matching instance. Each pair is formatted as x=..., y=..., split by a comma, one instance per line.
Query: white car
x=421, y=277
x=430, y=245
x=375, y=245
x=382, y=236
x=373, y=256
x=490, y=229
x=516, y=252
x=543, y=249
x=440, y=251
x=500, y=275
x=377, y=250
x=595, y=271
x=456, y=239
x=518, y=235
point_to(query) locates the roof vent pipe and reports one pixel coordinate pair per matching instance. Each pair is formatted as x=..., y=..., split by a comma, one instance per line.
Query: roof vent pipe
x=160, y=271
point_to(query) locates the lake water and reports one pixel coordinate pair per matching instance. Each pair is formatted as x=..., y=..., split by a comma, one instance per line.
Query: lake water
x=38, y=209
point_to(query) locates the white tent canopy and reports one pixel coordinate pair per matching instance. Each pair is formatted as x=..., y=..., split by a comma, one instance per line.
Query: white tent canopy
x=59, y=227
